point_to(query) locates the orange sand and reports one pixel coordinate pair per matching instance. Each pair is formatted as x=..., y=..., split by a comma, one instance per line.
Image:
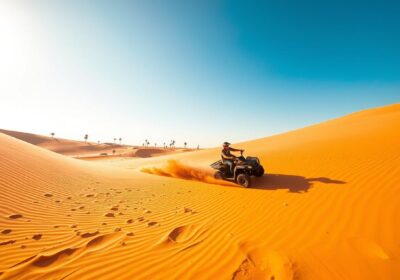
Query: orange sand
x=329, y=208
x=90, y=150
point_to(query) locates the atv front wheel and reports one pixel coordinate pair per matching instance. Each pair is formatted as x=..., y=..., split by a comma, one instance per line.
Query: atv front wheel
x=218, y=175
x=260, y=171
x=243, y=180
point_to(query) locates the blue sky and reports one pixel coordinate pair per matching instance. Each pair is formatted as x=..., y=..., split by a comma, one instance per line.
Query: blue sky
x=197, y=71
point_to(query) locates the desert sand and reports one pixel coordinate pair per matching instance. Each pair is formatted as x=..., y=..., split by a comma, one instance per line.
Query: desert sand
x=91, y=150
x=328, y=208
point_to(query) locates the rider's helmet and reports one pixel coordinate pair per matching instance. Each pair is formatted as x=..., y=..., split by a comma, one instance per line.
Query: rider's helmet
x=226, y=144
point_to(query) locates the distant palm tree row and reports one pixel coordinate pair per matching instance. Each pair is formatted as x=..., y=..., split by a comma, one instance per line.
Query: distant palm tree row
x=120, y=139
x=171, y=144
x=146, y=142
x=86, y=137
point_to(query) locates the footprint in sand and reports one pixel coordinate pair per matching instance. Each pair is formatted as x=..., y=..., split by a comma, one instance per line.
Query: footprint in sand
x=263, y=262
x=117, y=229
x=130, y=233
x=150, y=224
x=15, y=216
x=6, y=231
x=48, y=195
x=176, y=234
x=89, y=234
x=114, y=208
x=7, y=242
x=110, y=215
x=187, y=210
x=130, y=221
x=184, y=234
x=73, y=226
x=37, y=236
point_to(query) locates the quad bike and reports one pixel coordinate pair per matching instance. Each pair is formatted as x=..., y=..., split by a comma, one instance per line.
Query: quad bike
x=243, y=169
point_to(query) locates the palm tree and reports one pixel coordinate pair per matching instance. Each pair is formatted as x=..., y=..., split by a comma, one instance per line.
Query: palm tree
x=155, y=145
x=52, y=134
x=165, y=145
x=120, y=139
x=98, y=142
x=185, y=144
x=115, y=139
x=86, y=138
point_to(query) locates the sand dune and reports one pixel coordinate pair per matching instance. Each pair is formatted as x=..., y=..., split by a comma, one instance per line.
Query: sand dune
x=65, y=146
x=328, y=209
x=90, y=150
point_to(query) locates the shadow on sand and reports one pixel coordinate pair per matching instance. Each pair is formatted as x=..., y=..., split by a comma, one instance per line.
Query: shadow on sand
x=293, y=183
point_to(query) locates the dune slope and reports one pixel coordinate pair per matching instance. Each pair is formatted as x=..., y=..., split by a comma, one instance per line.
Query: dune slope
x=90, y=150
x=65, y=146
x=328, y=209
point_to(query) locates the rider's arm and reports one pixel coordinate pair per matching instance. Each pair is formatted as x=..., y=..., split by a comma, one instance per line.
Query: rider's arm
x=225, y=156
x=235, y=150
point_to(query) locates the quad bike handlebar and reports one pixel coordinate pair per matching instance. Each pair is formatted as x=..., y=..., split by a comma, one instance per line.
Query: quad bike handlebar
x=239, y=159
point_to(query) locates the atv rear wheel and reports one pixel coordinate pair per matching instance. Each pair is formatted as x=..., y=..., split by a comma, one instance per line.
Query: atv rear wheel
x=260, y=171
x=243, y=180
x=218, y=175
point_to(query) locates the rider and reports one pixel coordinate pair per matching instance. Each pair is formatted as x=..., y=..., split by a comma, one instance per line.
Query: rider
x=226, y=155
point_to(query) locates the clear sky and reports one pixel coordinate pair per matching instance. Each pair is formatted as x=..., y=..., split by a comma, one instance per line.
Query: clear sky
x=197, y=71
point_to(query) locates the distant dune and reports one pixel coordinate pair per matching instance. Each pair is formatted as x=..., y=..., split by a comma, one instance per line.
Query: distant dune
x=327, y=209
x=89, y=150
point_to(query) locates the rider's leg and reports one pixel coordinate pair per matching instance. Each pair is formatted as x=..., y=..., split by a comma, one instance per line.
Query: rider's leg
x=230, y=164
